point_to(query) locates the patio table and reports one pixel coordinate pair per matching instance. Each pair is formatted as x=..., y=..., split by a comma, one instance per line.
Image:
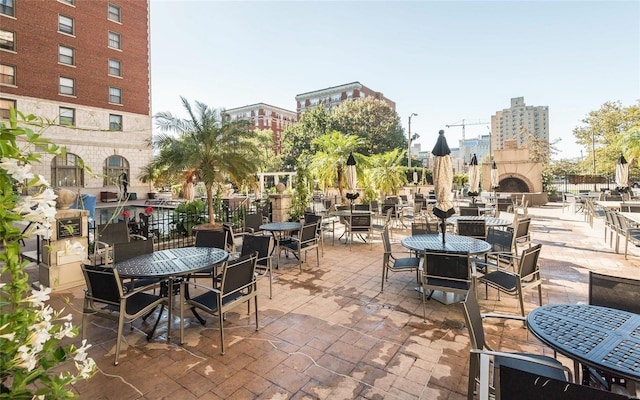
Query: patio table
x=489, y=221
x=616, y=205
x=280, y=232
x=604, y=338
x=171, y=264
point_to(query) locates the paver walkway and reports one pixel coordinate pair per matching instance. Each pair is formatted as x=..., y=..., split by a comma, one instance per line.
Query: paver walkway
x=328, y=332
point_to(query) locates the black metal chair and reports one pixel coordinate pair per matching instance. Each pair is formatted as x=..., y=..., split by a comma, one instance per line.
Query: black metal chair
x=105, y=297
x=358, y=224
x=237, y=286
x=521, y=233
x=525, y=276
x=448, y=272
x=307, y=240
x=252, y=222
x=127, y=250
x=542, y=365
x=472, y=228
x=260, y=244
x=391, y=261
x=211, y=238
x=107, y=235
x=469, y=211
x=614, y=292
x=502, y=250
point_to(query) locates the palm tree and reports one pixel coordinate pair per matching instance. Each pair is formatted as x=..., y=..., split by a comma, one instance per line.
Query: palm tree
x=387, y=173
x=328, y=164
x=217, y=148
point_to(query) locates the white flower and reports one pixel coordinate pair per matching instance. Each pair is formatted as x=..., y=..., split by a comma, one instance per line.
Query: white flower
x=42, y=181
x=66, y=331
x=28, y=360
x=39, y=296
x=17, y=172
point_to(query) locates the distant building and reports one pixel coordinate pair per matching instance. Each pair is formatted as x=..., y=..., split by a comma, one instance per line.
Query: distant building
x=479, y=146
x=332, y=96
x=518, y=122
x=264, y=116
x=85, y=66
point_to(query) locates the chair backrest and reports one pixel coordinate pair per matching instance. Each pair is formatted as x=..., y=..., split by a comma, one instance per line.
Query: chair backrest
x=423, y=228
x=500, y=240
x=144, y=224
x=449, y=269
x=627, y=208
x=375, y=206
x=103, y=284
x=260, y=244
x=362, y=207
x=472, y=228
x=239, y=275
x=614, y=292
x=528, y=264
x=125, y=251
x=473, y=320
x=360, y=222
x=386, y=241
x=340, y=207
x=389, y=207
x=115, y=232
x=211, y=238
x=469, y=211
x=253, y=221
x=229, y=239
x=310, y=218
x=522, y=228
x=309, y=232
x=527, y=385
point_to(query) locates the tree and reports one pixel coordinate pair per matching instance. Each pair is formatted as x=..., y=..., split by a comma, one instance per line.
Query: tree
x=298, y=138
x=605, y=130
x=370, y=119
x=217, y=148
x=328, y=164
x=386, y=171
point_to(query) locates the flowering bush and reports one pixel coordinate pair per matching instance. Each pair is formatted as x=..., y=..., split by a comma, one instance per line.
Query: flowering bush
x=30, y=330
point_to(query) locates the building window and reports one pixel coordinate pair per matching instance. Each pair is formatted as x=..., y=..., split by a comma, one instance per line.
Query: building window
x=115, y=122
x=7, y=74
x=6, y=7
x=65, y=24
x=7, y=40
x=66, y=171
x=115, y=95
x=65, y=55
x=67, y=116
x=67, y=86
x=114, y=40
x=116, y=169
x=5, y=105
x=114, y=13
x=115, y=68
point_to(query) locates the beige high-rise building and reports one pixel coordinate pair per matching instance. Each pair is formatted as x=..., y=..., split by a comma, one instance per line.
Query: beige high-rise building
x=518, y=122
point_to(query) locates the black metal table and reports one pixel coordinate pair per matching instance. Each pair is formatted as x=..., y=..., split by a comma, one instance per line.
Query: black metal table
x=453, y=243
x=170, y=264
x=279, y=230
x=604, y=338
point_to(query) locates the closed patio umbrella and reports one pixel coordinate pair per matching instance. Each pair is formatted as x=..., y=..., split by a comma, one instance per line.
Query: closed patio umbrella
x=442, y=181
x=415, y=176
x=622, y=175
x=495, y=179
x=474, y=178
x=352, y=179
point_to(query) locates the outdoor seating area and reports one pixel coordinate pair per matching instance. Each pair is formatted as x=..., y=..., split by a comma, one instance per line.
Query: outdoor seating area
x=326, y=327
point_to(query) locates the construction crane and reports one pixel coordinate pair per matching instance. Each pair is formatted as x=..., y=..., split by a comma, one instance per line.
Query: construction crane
x=464, y=123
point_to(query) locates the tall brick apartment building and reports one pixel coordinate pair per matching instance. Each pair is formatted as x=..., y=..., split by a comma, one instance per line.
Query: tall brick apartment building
x=265, y=116
x=84, y=64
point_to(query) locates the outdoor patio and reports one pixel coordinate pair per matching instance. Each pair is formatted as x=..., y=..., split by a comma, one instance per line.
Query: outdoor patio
x=328, y=332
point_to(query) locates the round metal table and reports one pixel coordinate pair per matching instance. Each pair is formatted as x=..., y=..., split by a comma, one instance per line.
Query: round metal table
x=171, y=264
x=453, y=243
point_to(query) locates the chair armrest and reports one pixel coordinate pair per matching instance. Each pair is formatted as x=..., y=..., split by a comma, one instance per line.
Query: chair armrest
x=136, y=236
x=138, y=289
x=503, y=316
x=200, y=285
x=495, y=267
x=520, y=357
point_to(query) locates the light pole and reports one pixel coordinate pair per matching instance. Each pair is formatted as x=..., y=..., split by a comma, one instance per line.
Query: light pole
x=409, y=146
x=593, y=150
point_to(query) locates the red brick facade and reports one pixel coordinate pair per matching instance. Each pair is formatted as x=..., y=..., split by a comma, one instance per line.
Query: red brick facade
x=37, y=42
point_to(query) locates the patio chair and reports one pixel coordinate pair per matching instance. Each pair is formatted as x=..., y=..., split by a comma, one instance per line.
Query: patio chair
x=260, y=244
x=252, y=222
x=614, y=292
x=318, y=219
x=472, y=228
x=448, y=272
x=307, y=240
x=521, y=233
x=542, y=365
x=125, y=251
x=237, y=286
x=423, y=228
x=502, y=250
x=469, y=211
x=385, y=224
x=234, y=240
x=107, y=236
x=391, y=261
x=211, y=238
x=569, y=201
x=630, y=233
x=358, y=224
x=105, y=297
x=525, y=276
x=396, y=212
x=524, y=384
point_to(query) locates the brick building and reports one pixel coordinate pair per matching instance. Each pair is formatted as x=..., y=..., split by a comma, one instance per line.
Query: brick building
x=85, y=66
x=332, y=96
x=264, y=116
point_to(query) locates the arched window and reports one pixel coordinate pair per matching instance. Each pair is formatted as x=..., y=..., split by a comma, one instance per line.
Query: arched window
x=116, y=168
x=66, y=171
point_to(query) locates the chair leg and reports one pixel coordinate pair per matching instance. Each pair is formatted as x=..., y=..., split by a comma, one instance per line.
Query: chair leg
x=521, y=298
x=255, y=300
x=473, y=373
x=221, y=321
x=119, y=339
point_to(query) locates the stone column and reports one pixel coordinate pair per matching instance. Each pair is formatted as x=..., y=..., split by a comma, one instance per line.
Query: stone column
x=280, y=206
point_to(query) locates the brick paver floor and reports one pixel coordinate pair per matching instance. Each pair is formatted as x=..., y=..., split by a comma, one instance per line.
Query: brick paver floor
x=329, y=333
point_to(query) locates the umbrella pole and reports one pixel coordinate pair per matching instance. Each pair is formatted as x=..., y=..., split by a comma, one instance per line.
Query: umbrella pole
x=443, y=228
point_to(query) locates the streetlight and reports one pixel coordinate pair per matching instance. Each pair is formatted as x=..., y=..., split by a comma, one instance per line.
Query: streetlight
x=409, y=147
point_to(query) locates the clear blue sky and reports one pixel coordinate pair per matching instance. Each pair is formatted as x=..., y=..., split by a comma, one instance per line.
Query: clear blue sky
x=445, y=60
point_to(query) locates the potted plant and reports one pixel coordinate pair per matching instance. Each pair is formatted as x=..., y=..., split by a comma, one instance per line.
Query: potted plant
x=148, y=174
